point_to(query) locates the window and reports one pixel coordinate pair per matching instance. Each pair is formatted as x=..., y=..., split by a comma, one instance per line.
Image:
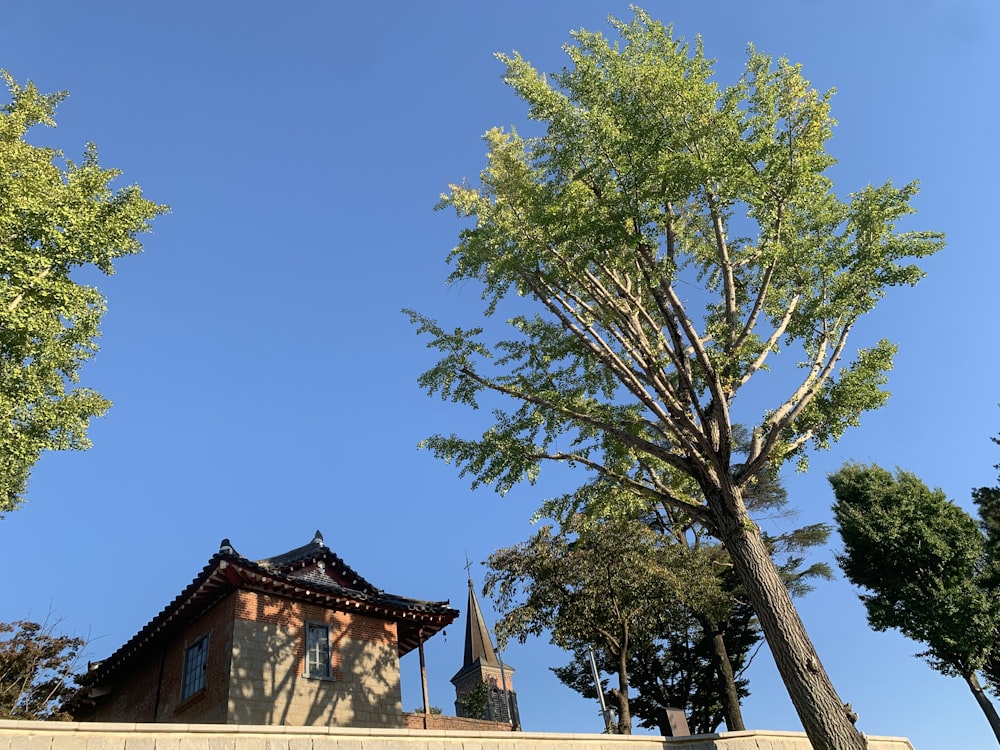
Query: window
x=195, y=663
x=318, y=650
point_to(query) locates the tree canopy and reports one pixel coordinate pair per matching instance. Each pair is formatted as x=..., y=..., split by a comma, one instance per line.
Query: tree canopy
x=37, y=671
x=664, y=242
x=602, y=582
x=924, y=560
x=653, y=595
x=56, y=217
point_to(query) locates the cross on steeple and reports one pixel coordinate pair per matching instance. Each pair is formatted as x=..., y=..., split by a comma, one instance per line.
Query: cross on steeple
x=481, y=665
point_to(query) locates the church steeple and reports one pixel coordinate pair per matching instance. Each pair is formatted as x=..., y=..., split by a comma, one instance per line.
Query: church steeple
x=484, y=688
x=478, y=646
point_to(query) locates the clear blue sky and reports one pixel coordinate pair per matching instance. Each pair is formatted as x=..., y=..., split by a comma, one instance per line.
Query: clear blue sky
x=264, y=378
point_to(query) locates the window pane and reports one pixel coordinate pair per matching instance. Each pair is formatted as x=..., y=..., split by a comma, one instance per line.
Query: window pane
x=317, y=650
x=195, y=661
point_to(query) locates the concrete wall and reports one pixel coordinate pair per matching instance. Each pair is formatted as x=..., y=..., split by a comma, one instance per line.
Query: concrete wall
x=30, y=735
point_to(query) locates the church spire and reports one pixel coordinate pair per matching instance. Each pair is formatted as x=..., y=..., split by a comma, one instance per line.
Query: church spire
x=478, y=646
x=484, y=687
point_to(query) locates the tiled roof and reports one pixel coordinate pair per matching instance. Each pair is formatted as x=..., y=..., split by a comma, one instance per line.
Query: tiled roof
x=311, y=573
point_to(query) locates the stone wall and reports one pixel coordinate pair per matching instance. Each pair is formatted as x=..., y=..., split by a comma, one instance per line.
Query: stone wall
x=30, y=735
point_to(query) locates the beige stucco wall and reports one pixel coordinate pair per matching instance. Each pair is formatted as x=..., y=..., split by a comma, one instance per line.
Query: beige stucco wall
x=267, y=684
x=28, y=735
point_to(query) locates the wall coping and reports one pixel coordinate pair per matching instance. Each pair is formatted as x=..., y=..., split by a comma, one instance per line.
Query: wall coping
x=63, y=728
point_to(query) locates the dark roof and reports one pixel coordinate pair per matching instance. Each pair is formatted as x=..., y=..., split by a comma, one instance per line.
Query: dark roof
x=311, y=573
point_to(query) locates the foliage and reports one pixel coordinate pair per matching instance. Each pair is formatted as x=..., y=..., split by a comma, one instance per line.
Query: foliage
x=654, y=596
x=920, y=555
x=602, y=582
x=475, y=702
x=987, y=501
x=658, y=247
x=56, y=217
x=923, y=559
x=36, y=671
x=432, y=710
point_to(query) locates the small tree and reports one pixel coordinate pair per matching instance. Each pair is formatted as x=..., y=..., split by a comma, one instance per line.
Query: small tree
x=37, y=671
x=55, y=218
x=662, y=608
x=923, y=559
x=475, y=702
x=655, y=249
x=598, y=582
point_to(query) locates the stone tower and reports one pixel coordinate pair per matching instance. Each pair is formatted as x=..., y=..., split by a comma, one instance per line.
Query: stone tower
x=482, y=667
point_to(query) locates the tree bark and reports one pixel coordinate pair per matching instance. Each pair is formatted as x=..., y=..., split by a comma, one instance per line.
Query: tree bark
x=984, y=702
x=727, y=680
x=827, y=721
x=621, y=694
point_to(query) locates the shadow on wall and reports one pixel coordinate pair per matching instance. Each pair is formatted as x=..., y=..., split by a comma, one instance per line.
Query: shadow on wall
x=268, y=684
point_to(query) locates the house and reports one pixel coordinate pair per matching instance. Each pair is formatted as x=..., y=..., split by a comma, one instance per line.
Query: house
x=296, y=639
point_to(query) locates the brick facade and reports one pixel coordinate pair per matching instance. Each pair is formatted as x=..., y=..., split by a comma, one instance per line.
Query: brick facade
x=245, y=624
x=255, y=673
x=151, y=690
x=452, y=723
x=268, y=667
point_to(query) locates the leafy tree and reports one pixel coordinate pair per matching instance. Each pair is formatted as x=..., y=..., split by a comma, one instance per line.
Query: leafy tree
x=475, y=702
x=655, y=250
x=598, y=582
x=987, y=501
x=659, y=602
x=56, y=217
x=36, y=671
x=922, y=558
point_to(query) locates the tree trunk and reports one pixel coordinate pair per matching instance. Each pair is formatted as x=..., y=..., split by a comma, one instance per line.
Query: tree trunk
x=728, y=696
x=621, y=694
x=984, y=703
x=827, y=721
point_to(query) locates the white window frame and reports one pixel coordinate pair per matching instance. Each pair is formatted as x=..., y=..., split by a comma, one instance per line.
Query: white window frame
x=194, y=677
x=318, y=657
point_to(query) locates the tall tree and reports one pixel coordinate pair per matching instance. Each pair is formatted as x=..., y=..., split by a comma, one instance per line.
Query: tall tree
x=37, y=671
x=656, y=247
x=56, y=217
x=923, y=559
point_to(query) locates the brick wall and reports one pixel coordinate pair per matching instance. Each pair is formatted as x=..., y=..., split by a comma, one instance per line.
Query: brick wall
x=149, y=689
x=453, y=723
x=268, y=684
x=255, y=670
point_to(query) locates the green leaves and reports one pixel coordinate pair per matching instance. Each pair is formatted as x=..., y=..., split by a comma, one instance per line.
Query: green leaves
x=667, y=238
x=53, y=219
x=660, y=242
x=37, y=671
x=921, y=557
